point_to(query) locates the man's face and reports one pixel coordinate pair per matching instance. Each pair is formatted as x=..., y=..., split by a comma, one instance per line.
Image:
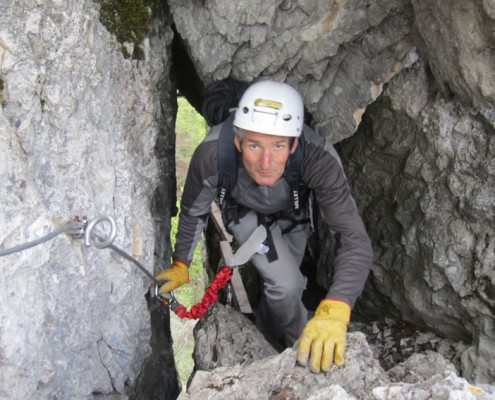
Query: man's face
x=264, y=156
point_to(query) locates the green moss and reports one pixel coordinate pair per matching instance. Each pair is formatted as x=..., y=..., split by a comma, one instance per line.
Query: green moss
x=128, y=20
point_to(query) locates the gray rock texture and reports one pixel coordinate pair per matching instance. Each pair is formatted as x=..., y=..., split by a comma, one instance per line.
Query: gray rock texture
x=406, y=89
x=458, y=44
x=430, y=210
x=78, y=128
x=228, y=338
x=422, y=162
x=338, y=53
x=422, y=376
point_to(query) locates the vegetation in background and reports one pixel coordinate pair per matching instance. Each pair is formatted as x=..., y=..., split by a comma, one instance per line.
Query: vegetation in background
x=190, y=130
x=128, y=20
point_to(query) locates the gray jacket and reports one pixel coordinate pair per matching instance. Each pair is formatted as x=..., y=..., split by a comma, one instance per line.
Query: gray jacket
x=321, y=171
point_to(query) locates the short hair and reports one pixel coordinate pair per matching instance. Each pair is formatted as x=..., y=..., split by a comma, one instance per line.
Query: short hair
x=239, y=133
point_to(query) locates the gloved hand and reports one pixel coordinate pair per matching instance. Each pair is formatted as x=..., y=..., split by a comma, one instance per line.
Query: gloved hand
x=324, y=336
x=175, y=276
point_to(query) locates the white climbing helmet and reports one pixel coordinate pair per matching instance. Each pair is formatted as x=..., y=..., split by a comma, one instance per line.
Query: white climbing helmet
x=272, y=108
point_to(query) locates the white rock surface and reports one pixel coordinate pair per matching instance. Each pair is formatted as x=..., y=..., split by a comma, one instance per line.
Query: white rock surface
x=78, y=126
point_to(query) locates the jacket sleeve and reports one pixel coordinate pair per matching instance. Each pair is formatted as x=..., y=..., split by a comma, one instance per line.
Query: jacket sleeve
x=323, y=173
x=199, y=191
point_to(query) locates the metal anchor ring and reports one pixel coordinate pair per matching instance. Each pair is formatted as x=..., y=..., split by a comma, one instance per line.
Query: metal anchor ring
x=98, y=242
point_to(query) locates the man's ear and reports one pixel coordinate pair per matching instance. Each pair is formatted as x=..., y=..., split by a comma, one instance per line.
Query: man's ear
x=294, y=145
x=237, y=143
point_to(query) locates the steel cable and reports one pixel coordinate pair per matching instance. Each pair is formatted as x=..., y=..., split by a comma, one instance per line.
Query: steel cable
x=70, y=227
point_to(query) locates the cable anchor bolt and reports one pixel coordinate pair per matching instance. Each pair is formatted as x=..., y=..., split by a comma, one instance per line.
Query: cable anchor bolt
x=99, y=242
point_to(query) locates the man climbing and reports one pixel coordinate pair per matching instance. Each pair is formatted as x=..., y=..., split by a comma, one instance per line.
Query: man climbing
x=265, y=165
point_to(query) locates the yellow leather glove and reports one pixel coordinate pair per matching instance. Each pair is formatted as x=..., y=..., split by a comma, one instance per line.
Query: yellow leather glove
x=175, y=276
x=324, y=336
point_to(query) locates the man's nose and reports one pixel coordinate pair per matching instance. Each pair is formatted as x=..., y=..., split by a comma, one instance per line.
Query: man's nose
x=266, y=159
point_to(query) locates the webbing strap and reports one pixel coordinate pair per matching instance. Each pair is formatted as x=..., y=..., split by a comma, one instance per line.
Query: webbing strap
x=226, y=159
x=271, y=254
x=227, y=166
x=293, y=174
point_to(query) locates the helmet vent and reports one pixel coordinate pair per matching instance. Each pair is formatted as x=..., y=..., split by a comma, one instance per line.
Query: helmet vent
x=286, y=117
x=245, y=110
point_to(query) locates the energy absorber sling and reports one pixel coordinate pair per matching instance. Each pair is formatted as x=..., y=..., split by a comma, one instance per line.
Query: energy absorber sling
x=243, y=254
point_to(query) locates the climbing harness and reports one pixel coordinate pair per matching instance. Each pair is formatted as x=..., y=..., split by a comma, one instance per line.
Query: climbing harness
x=81, y=227
x=227, y=179
x=253, y=245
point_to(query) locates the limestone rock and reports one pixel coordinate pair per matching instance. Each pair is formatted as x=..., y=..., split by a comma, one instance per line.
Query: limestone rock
x=279, y=374
x=427, y=375
x=339, y=54
x=459, y=48
x=78, y=128
x=435, y=160
x=227, y=338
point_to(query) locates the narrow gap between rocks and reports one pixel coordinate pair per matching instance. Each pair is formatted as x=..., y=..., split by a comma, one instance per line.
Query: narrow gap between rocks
x=391, y=339
x=190, y=129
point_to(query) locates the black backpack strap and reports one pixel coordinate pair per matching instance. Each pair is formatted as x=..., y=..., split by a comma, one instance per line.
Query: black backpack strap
x=271, y=254
x=293, y=176
x=226, y=160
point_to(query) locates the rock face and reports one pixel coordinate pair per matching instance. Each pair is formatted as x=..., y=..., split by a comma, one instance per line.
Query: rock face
x=79, y=125
x=227, y=338
x=337, y=53
x=422, y=162
x=458, y=44
x=278, y=377
x=429, y=209
x=407, y=90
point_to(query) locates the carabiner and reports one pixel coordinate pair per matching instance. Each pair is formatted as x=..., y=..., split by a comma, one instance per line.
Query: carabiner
x=164, y=299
